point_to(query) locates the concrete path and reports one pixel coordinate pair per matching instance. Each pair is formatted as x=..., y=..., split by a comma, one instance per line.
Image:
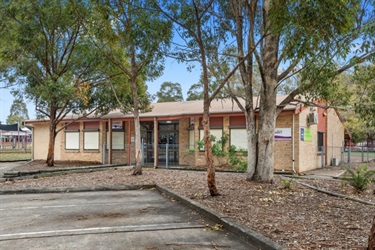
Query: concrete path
x=8, y=166
x=138, y=219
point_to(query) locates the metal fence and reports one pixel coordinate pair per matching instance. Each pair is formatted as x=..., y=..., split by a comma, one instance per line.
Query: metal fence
x=348, y=155
x=16, y=146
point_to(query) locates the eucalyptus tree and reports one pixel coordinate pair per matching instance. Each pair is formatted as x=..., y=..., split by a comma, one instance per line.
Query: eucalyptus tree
x=18, y=111
x=195, y=92
x=133, y=38
x=314, y=39
x=55, y=66
x=202, y=33
x=170, y=92
x=364, y=93
x=362, y=104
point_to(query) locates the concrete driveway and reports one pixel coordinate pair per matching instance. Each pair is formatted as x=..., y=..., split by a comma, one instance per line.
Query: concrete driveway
x=137, y=219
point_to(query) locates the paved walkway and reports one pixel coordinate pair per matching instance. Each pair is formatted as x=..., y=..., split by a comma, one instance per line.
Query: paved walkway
x=324, y=173
x=8, y=166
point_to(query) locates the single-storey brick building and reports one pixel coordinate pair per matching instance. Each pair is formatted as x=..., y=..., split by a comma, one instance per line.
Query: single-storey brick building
x=170, y=133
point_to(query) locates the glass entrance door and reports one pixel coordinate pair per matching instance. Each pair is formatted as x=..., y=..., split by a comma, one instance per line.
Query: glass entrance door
x=168, y=142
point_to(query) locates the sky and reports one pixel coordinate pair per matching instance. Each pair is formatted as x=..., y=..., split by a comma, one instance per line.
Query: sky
x=173, y=72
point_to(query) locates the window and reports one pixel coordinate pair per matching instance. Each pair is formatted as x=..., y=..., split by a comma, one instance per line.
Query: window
x=91, y=140
x=320, y=141
x=72, y=136
x=238, y=138
x=91, y=136
x=118, y=139
x=191, y=139
x=72, y=140
x=217, y=133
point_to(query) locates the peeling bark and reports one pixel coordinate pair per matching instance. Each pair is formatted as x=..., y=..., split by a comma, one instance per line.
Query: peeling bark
x=52, y=137
x=371, y=238
x=211, y=182
x=51, y=145
x=137, y=128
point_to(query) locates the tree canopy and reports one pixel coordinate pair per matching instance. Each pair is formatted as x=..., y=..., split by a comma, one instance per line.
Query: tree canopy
x=133, y=39
x=170, y=92
x=18, y=112
x=47, y=52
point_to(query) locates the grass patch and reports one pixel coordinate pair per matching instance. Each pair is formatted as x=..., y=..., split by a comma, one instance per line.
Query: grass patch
x=15, y=156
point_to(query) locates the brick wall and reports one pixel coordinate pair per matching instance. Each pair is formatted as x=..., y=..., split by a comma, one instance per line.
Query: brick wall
x=283, y=149
x=81, y=154
x=185, y=158
x=335, y=136
x=305, y=153
x=308, y=157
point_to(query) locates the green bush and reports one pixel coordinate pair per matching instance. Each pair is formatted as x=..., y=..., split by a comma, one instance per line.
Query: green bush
x=360, y=178
x=235, y=158
x=287, y=183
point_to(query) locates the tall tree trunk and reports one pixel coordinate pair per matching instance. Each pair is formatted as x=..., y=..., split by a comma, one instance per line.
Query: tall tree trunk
x=266, y=134
x=137, y=129
x=251, y=143
x=52, y=136
x=211, y=181
x=267, y=109
x=51, y=145
x=371, y=238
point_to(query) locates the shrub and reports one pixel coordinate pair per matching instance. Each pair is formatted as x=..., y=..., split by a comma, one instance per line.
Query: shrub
x=360, y=178
x=287, y=183
x=236, y=160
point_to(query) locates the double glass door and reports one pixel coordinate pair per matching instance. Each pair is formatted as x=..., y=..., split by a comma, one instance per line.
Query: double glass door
x=167, y=142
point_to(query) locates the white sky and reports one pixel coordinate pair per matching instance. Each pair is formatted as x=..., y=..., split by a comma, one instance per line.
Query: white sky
x=173, y=72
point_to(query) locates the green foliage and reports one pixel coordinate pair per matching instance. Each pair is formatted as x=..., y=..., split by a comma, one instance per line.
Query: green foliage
x=360, y=178
x=219, y=146
x=235, y=155
x=235, y=158
x=364, y=93
x=59, y=70
x=191, y=151
x=18, y=111
x=287, y=183
x=170, y=92
x=195, y=92
x=200, y=144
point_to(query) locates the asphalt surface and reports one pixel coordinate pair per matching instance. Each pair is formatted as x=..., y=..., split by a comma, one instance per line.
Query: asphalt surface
x=137, y=219
x=115, y=218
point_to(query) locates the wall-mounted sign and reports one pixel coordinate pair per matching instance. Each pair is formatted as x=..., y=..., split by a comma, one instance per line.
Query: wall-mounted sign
x=117, y=125
x=306, y=134
x=283, y=134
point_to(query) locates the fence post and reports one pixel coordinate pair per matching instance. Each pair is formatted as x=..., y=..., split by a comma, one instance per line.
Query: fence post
x=342, y=155
x=104, y=160
x=349, y=158
x=166, y=155
x=142, y=152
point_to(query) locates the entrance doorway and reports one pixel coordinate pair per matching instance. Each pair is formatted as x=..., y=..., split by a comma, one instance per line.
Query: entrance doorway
x=167, y=142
